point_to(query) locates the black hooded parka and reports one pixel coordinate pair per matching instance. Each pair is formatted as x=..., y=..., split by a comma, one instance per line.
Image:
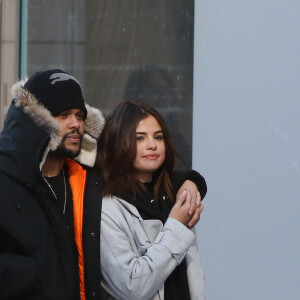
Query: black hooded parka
x=38, y=255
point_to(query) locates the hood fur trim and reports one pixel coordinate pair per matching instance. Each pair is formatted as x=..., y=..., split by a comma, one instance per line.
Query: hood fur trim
x=94, y=122
x=93, y=126
x=88, y=151
x=42, y=117
x=38, y=113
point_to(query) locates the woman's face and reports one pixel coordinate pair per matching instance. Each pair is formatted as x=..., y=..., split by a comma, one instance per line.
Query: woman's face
x=150, y=148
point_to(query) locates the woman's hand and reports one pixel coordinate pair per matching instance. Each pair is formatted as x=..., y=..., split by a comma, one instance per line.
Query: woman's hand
x=196, y=215
x=196, y=207
x=181, y=210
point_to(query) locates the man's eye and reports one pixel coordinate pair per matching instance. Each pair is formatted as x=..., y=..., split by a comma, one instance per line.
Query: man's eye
x=63, y=114
x=80, y=117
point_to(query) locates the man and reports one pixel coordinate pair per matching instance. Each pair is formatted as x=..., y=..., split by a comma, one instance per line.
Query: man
x=50, y=201
x=48, y=122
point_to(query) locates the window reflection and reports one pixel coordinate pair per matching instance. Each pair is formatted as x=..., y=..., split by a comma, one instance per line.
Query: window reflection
x=135, y=49
x=155, y=85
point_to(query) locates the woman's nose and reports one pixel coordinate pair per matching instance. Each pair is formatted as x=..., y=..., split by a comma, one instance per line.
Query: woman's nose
x=151, y=144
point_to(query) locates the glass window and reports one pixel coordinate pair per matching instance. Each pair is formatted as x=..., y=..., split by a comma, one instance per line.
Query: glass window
x=140, y=50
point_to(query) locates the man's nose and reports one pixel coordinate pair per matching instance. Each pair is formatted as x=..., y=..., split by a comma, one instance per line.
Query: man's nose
x=73, y=122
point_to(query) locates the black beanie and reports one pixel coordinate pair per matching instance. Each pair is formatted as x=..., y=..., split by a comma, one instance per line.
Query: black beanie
x=56, y=90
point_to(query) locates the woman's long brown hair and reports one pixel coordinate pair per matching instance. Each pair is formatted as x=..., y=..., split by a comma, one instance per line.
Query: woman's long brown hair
x=117, y=150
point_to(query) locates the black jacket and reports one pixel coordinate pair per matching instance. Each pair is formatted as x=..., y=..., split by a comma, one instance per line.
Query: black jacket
x=38, y=256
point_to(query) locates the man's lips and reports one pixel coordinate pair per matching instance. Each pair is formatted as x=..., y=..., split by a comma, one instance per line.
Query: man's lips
x=75, y=138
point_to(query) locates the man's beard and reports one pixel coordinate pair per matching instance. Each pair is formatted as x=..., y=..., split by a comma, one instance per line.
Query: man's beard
x=62, y=151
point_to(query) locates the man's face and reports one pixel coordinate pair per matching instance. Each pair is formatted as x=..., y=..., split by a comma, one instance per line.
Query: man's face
x=71, y=128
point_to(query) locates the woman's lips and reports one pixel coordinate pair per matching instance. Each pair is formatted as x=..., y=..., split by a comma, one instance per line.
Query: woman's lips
x=151, y=156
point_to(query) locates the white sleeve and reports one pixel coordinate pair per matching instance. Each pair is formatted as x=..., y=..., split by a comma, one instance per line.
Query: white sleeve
x=129, y=275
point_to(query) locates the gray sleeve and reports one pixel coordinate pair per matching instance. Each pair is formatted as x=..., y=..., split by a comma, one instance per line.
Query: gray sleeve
x=130, y=275
x=195, y=272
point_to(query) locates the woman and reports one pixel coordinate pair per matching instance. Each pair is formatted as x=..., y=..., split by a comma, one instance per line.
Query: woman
x=147, y=250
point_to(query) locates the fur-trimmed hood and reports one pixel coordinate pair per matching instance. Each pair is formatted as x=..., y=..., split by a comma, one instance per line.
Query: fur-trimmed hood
x=30, y=132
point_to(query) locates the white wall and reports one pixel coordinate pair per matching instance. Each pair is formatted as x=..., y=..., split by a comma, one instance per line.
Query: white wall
x=246, y=142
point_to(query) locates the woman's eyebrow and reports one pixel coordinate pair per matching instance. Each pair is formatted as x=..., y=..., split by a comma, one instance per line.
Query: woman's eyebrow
x=141, y=132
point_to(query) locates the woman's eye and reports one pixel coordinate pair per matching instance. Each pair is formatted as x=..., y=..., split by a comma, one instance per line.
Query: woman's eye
x=159, y=137
x=139, y=138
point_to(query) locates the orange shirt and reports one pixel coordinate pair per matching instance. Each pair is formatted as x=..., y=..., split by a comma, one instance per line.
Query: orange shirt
x=77, y=179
